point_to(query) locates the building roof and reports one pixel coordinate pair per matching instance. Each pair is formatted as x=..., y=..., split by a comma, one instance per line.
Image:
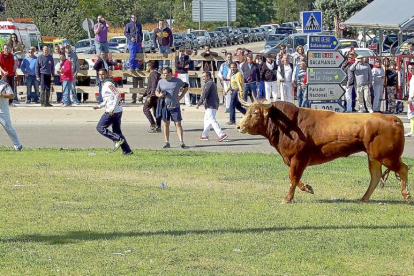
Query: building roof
x=385, y=14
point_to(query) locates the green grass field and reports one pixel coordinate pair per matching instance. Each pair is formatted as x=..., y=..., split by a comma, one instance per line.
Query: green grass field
x=69, y=213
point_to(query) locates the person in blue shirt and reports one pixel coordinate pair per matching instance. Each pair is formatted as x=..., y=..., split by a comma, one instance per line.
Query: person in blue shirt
x=133, y=32
x=28, y=68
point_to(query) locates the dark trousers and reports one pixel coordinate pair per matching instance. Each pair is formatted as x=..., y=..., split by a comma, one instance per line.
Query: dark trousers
x=115, y=120
x=10, y=81
x=235, y=104
x=250, y=89
x=151, y=103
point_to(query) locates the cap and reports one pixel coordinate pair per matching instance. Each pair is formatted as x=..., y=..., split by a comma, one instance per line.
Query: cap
x=359, y=57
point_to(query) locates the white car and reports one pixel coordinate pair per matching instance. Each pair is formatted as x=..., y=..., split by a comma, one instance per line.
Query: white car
x=84, y=45
x=202, y=36
x=122, y=43
x=365, y=52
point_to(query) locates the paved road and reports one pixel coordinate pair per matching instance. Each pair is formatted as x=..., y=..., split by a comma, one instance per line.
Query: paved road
x=74, y=127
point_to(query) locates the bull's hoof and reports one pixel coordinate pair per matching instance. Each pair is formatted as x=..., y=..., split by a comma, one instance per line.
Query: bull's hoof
x=309, y=189
x=408, y=199
x=285, y=201
x=364, y=200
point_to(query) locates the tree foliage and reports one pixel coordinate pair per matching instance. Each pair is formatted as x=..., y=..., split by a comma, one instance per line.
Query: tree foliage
x=343, y=9
x=59, y=18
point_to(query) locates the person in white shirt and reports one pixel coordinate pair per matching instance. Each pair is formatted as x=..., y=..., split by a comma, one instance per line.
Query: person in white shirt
x=284, y=75
x=113, y=113
x=6, y=93
x=378, y=77
x=410, y=105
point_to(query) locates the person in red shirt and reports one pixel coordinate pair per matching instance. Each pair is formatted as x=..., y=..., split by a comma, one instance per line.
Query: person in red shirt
x=66, y=77
x=7, y=70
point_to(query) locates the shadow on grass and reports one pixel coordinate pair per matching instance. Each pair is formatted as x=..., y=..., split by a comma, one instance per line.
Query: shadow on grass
x=380, y=202
x=79, y=236
x=219, y=145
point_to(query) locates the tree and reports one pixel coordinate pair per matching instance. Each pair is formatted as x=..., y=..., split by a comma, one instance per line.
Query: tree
x=53, y=17
x=338, y=10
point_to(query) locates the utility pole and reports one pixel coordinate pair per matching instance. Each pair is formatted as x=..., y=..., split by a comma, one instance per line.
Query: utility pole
x=171, y=23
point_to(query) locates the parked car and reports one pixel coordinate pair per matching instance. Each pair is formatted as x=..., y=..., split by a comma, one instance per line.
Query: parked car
x=215, y=39
x=122, y=43
x=228, y=31
x=263, y=30
x=151, y=34
x=270, y=27
x=203, y=37
x=181, y=41
x=223, y=38
x=273, y=39
x=289, y=25
x=192, y=39
x=403, y=47
x=291, y=42
x=285, y=31
x=365, y=52
x=390, y=43
x=247, y=34
x=84, y=45
x=238, y=36
x=259, y=34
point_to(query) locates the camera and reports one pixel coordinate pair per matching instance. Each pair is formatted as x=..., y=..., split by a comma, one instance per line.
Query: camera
x=101, y=21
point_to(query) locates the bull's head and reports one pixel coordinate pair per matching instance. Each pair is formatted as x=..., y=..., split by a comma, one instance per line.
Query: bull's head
x=254, y=121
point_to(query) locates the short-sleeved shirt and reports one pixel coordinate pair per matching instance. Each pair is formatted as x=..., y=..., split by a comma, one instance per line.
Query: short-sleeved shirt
x=171, y=90
x=5, y=89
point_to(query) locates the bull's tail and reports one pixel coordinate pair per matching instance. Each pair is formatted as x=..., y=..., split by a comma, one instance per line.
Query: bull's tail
x=386, y=174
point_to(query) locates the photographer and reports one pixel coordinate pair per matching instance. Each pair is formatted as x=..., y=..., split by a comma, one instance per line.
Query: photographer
x=101, y=35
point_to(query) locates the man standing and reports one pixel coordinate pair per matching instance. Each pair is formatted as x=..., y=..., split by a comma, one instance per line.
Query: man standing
x=74, y=61
x=7, y=68
x=209, y=65
x=284, y=75
x=151, y=101
x=133, y=32
x=269, y=75
x=66, y=77
x=251, y=73
x=45, y=73
x=224, y=75
x=211, y=103
x=182, y=63
x=237, y=87
x=363, y=80
x=6, y=93
x=101, y=35
x=163, y=41
x=113, y=114
x=169, y=89
x=28, y=68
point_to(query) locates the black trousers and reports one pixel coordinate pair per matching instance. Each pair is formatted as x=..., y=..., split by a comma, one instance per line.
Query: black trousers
x=151, y=103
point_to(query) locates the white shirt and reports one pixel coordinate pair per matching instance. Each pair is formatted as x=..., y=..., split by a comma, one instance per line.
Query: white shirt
x=5, y=89
x=111, y=97
x=288, y=73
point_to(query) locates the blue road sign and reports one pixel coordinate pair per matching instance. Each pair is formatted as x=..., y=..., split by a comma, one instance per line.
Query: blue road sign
x=322, y=42
x=312, y=21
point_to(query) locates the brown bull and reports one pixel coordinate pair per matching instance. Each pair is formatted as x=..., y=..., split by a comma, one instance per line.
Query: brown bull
x=305, y=137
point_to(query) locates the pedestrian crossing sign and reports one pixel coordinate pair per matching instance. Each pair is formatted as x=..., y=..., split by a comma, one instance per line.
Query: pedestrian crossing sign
x=312, y=21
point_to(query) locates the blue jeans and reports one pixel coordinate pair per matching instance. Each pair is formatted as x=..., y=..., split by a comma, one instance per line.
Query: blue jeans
x=235, y=104
x=299, y=96
x=104, y=46
x=164, y=50
x=73, y=92
x=115, y=121
x=262, y=92
x=134, y=48
x=304, y=96
x=66, y=86
x=252, y=87
x=32, y=81
x=99, y=84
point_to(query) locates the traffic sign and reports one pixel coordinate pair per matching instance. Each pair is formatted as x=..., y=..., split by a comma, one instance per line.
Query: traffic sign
x=322, y=42
x=324, y=59
x=325, y=92
x=332, y=106
x=341, y=25
x=325, y=75
x=87, y=24
x=312, y=21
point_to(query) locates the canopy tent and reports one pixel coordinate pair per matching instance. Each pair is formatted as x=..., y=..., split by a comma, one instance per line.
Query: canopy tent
x=396, y=15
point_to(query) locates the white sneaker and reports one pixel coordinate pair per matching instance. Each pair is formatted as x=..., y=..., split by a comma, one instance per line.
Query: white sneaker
x=360, y=111
x=409, y=134
x=370, y=111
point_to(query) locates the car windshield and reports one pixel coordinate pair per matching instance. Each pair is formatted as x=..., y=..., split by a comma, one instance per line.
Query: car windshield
x=300, y=40
x=211, y=34
x=244, y=30
x=365, y=53
x=286, y=25
x=275, y=37
x=347, y=44
x=81, y=44
x=284, y=31
x=119, y=40
x=177, y=36
x=224, y=30
x=198, y=33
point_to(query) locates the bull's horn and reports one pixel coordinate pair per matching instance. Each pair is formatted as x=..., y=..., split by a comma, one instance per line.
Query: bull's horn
x=265, y=103
x=242, y=101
